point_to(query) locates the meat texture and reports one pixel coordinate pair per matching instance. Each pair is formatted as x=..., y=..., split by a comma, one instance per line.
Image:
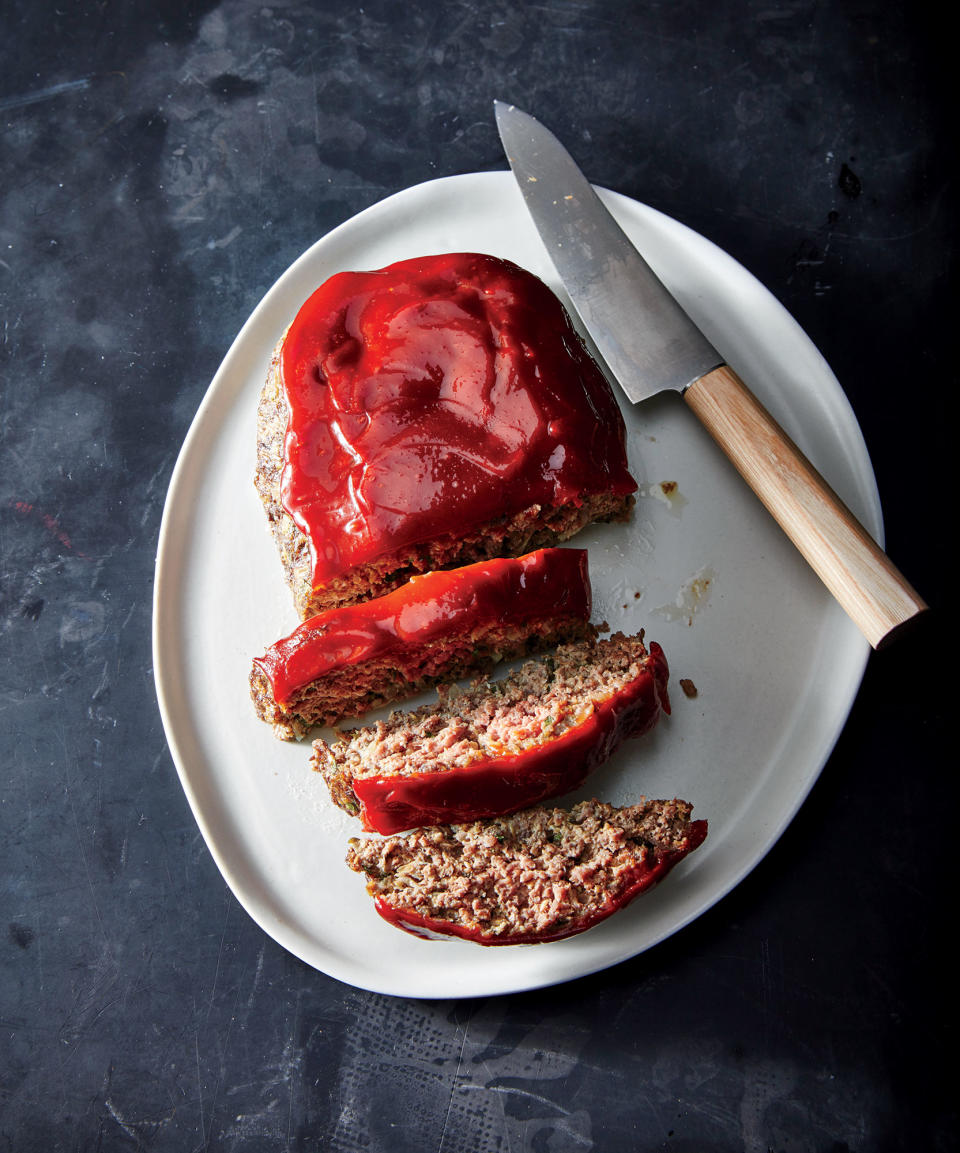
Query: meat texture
x=499, y=745
x=540, y=875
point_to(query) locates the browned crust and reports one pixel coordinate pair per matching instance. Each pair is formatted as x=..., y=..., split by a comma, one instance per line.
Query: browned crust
x=531, y=528
x=294, y=549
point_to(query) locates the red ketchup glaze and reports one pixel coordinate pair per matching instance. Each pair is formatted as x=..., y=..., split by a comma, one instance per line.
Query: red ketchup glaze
x=643, y=879
x=549, y=584
x=506, y=784
x=432, y=396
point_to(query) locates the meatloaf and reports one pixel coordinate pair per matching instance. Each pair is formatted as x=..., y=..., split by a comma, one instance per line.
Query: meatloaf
x=439, y=626
x=499, y=745
x=434, y=413
x=539, y=875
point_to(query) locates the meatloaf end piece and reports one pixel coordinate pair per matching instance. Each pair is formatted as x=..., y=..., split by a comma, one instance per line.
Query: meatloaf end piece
x=439, y=626
x=544, y=443
x=540, y=875
x=498, y=745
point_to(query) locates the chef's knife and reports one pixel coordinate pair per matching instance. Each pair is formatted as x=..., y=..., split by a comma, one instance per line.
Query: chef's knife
x=651, y=345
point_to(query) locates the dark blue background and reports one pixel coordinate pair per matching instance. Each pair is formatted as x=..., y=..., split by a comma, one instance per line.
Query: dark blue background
x=161, y=166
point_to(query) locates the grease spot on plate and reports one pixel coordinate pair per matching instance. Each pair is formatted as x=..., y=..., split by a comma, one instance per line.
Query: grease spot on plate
x=692, y=596
x=667, y=492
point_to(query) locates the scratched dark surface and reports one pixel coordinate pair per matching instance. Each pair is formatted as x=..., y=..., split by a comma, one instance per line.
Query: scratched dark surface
x=161, y=166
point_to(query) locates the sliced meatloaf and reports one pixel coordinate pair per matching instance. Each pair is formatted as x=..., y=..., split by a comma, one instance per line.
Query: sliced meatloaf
x=499, y=745
x=539, y=875
x=431, y=414
x=439, y=626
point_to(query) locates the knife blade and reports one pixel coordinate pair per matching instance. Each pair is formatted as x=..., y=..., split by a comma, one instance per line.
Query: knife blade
x=651, y=345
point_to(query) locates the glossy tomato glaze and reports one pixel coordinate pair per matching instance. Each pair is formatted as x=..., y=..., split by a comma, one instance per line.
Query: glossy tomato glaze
x=506, y=784
x=549, y=584
x=644, y=877
x=433, y=396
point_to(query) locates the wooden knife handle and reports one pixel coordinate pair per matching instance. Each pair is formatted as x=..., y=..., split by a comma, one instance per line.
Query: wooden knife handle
x=839, y=549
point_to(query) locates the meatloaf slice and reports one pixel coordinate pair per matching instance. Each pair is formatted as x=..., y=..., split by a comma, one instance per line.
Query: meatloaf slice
x=439, y=626
x=499, y=745
x=539, y=875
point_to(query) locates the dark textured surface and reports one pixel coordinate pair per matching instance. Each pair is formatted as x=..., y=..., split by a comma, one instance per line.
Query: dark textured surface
x=161, y=166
